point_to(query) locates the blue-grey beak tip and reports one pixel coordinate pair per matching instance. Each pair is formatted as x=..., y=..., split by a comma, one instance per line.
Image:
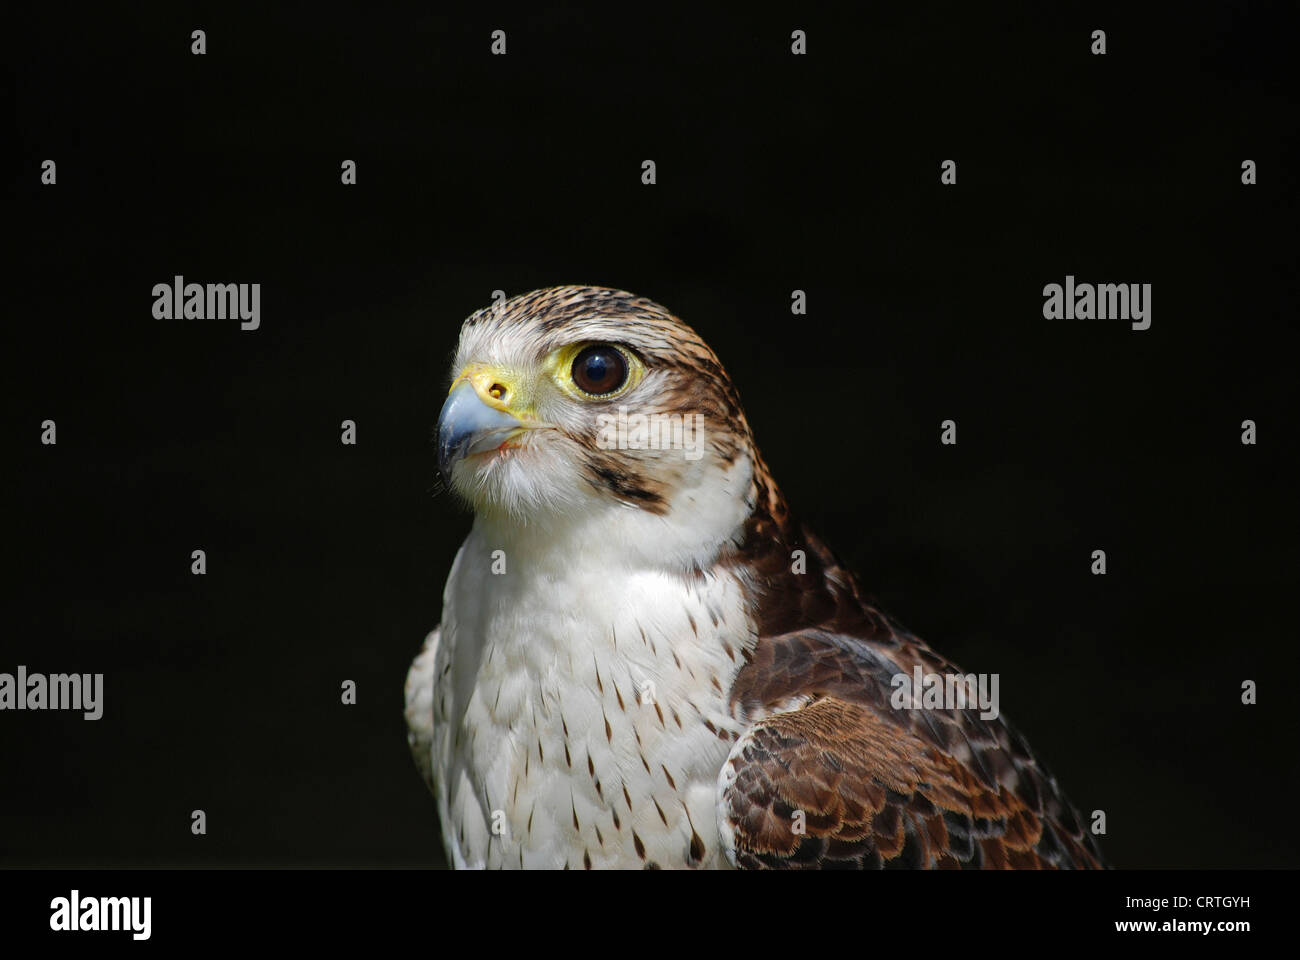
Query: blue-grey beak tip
x=468, y=425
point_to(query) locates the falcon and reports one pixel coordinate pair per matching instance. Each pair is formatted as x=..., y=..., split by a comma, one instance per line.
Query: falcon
x=645, y=661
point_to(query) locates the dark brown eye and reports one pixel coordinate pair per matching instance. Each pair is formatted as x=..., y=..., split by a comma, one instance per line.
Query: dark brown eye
x=599, y=369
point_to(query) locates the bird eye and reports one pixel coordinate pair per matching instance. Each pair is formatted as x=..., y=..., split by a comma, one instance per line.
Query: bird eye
x=599, y=369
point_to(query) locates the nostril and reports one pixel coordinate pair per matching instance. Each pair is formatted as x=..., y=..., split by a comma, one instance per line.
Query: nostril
x=496, y=391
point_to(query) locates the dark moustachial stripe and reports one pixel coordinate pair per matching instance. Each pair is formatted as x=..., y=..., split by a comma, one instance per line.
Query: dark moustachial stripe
x=625, y=486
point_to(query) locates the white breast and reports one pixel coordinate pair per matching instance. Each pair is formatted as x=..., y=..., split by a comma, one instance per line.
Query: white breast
x=580, y=709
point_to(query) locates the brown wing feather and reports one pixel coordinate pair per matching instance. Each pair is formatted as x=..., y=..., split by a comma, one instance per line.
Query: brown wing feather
x=877, y=786
x=874, y=796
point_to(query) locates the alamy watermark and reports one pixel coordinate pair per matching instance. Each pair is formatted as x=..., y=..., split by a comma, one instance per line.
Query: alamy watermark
x=1101, y=301
x=179, y=300
x=76, y=913
x=58, y=691
x=946, y=691
x=654, y=431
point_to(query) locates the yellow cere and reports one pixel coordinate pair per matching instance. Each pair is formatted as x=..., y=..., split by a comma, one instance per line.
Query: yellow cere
x=499, y=388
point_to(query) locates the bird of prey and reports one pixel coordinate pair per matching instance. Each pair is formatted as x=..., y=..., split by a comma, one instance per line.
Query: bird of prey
x=645, y=661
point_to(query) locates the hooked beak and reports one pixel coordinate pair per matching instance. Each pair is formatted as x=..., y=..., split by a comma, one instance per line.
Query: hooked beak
x=468, y=426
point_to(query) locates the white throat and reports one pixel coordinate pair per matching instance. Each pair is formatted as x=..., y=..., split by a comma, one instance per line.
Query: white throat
x=581, y=678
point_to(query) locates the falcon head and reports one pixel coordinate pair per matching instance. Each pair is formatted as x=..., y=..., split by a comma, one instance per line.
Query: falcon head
x=589, y=403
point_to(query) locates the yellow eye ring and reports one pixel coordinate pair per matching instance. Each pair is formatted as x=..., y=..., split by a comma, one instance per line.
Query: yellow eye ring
x=600, y=360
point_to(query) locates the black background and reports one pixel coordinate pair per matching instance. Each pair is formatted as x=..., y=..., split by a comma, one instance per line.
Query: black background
x=775, y=172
